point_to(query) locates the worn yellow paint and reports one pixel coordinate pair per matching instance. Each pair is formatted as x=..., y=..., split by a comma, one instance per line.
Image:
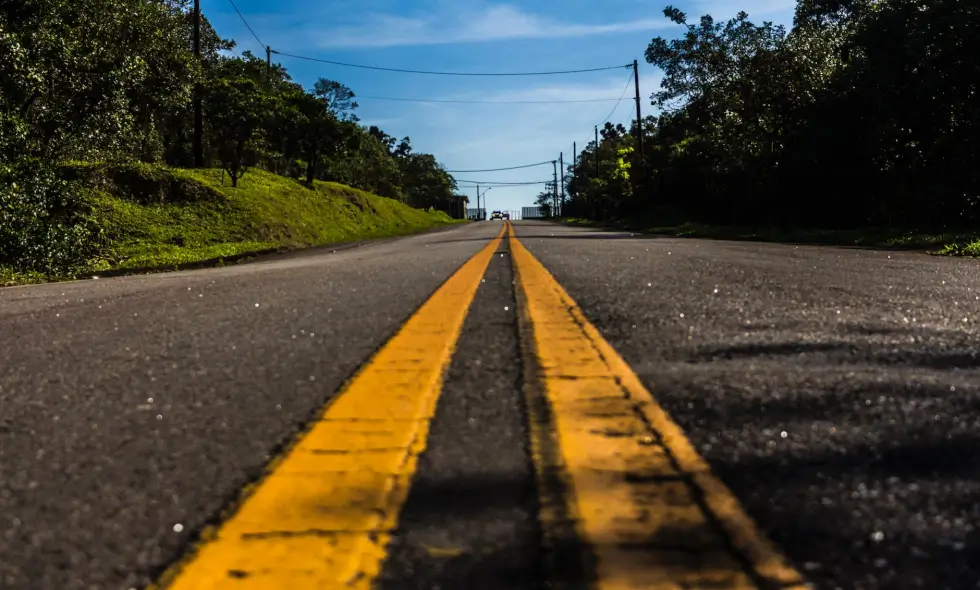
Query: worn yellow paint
x=443, y=552
x=323, y=516
x=643, y=502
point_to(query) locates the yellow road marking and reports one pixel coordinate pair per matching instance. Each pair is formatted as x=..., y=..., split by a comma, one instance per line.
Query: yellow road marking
x=323, y=516
x=646, y=505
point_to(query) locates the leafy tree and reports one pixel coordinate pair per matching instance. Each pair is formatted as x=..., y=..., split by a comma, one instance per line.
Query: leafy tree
x=404, y=148
x=320, y=133
x=383, y=137
x=365, y=164
x=339, y=99
x=426, y=183
x=545, y=202
x=92, y=69
x=237, y=108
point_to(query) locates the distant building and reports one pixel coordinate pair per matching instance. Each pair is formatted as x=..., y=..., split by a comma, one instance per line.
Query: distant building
x=474, y=213
x=457, y=206
x=531, y=213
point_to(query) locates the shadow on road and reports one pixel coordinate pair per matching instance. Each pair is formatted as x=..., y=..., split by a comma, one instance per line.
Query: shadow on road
x=503, y=562
x=856, y=455
x=590, y=235
x=526, y=237
x=897, y=356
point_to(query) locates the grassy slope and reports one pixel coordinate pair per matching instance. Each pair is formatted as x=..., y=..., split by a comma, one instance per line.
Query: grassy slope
x=952, y=244
x=158, y=217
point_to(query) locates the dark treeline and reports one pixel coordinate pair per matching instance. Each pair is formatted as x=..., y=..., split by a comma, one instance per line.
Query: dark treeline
x=865, y=113
x=114, y=81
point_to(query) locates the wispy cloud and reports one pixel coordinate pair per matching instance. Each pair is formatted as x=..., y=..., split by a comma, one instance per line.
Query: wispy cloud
x=491, y=23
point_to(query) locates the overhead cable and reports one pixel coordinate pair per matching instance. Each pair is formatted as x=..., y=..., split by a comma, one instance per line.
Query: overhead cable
x=499, y=169
x=488, y=183
x=437, y=73
x=435, y=100
x=246, y=24
x=621, y=97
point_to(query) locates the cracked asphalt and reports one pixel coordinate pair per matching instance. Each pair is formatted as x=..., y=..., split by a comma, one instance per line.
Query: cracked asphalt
x=835, y=391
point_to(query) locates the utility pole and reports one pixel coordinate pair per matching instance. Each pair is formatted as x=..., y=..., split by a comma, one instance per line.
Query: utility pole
x=639, y=121
x=574, y=160
x=477, y=201
x=597, y=151
x=198, y=105
x=484, y=215
x=638, y=173
x=561, y=162
x=554, y=189
x=268, y=62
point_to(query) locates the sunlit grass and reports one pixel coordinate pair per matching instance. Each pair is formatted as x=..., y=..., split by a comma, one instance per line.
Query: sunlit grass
x=157, y=217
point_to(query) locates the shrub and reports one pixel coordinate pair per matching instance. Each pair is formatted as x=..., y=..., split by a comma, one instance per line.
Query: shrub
x=46, y=223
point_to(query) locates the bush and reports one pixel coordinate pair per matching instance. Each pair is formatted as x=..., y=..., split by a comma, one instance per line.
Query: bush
x=45, y=222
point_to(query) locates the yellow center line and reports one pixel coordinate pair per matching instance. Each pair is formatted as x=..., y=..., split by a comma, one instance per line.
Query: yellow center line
x=323, y=516
x=645, y=505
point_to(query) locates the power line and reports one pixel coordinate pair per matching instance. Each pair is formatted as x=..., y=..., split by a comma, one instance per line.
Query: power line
x=491, y=183
x=434, y=73
x=246, y=24
x=499, y=169
x=623, y=95
x=611, y=113
x=487, y=101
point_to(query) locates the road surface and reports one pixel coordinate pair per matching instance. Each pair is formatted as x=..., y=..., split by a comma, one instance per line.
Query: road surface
x=471, y=409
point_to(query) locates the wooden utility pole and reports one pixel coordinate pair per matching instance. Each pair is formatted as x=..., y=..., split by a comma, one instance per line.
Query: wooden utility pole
x=561, y=164
x=268, y=62
x=198, y=103
x=477, y=201
x=575, y=161
x=554, y=198
x=638, y=173
x=597, y=151
x=639, y=120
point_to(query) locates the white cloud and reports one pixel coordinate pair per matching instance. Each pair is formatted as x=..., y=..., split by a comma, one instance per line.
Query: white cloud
x=492, y=23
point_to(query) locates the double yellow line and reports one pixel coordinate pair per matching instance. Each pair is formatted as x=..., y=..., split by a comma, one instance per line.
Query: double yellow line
x=642, y=506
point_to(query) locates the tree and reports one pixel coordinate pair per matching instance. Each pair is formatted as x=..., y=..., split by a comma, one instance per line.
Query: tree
x=545, y=201
x=365, y=164
x=319, y=132
x=383, y=137
x=404, y=148
x=426, y=183
x=339, y=99
x=236, y=108
x=95, y=69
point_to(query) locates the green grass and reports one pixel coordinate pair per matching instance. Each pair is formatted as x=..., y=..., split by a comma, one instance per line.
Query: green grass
x=156, y=217
x=950, y=243
x=8, y=277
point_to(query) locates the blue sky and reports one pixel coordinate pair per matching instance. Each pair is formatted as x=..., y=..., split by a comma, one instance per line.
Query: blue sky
x=475, y=36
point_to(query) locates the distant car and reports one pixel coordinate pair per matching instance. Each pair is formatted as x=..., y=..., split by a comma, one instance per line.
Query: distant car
x=496, y=215
x=506, y=216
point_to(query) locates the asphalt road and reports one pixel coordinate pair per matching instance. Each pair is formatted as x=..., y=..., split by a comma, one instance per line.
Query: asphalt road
x=835, y=391
x=133, y=409
x=470, y=519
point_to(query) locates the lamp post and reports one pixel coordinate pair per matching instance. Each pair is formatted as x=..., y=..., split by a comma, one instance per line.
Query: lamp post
x=484, y=214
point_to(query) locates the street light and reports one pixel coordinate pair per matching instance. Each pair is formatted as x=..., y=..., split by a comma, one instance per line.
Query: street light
x=484, y=216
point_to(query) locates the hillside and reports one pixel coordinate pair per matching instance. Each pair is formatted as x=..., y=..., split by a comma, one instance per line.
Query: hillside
x=158, y=217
